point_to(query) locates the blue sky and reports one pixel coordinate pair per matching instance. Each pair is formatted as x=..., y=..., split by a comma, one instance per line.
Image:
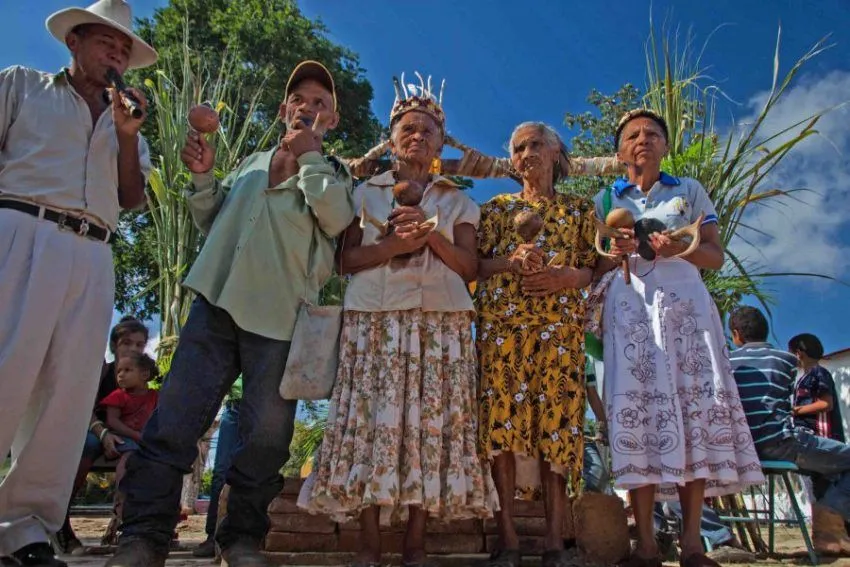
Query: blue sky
x=506, y=62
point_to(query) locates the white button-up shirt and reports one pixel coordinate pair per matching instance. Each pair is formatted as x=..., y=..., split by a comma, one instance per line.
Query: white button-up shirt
x=51, y=153
x=423, y=281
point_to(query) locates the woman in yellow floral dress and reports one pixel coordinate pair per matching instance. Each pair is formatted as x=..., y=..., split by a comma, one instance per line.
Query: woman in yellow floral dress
x=530, y=337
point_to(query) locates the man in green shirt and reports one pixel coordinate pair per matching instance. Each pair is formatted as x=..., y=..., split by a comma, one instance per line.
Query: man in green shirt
x=270, y=228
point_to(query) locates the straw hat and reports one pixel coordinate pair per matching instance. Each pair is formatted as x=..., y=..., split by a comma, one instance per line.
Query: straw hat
x=113, y=13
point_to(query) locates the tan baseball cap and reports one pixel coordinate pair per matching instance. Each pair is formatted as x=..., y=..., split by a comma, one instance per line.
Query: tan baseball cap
x=311, y=70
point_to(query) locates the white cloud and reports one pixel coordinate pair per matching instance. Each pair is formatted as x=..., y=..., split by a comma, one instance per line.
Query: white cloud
x=810, y=236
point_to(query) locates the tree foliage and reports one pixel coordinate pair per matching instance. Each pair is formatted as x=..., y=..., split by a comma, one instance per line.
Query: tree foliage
x=270, y=38
x=595, y=133
x=258, y=42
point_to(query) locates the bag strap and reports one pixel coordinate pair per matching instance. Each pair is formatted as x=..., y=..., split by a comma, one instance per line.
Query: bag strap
x=339, y=266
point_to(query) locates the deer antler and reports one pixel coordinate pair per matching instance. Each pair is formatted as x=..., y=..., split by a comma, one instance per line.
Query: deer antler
x=367, y=219
x=615, y=221
x=605, y=231
x=692, y=231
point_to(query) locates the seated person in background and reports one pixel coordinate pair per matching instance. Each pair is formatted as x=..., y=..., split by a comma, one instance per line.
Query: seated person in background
x=814, y=393
x=127, y=337
x=815, y=408
x=128, y=409
x=765, y=378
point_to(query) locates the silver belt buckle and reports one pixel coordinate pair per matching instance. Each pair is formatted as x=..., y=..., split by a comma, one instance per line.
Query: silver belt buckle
x=62, y=222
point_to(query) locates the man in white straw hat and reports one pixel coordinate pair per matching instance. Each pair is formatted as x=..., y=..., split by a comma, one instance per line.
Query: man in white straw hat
x=69, y=160
x=270, y=229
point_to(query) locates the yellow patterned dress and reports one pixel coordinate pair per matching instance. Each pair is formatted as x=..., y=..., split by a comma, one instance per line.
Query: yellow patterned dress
x=531, y=349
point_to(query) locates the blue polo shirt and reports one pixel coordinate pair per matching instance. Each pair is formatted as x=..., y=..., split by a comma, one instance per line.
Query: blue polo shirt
x=675, y=201
x=765, y=378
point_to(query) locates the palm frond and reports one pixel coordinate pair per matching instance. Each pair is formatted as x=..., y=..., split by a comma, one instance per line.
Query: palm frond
x=736, y=169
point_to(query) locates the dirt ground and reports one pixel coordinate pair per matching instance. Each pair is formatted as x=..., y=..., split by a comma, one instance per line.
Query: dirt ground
x=191, y=533
x=89, y=530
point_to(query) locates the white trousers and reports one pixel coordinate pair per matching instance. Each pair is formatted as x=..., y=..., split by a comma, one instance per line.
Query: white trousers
x=56, y=295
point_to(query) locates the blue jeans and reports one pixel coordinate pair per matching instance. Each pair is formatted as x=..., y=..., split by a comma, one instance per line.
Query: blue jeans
x=710, y=526
x=595, y=473
x=93, y=448
x=211, y=353
x=820, y=455
x=228, y=437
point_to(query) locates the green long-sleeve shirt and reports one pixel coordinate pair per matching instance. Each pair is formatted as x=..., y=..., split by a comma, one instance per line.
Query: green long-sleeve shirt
x=267, y=248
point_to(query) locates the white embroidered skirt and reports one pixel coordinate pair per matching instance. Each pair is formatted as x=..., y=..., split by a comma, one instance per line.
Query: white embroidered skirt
x=674, y=413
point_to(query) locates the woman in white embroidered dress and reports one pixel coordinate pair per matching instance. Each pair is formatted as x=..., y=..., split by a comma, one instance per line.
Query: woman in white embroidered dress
x=401, y=434
x=677, y=428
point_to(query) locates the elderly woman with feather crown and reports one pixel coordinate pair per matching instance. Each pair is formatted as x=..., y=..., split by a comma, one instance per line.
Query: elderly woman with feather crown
x=401, y=435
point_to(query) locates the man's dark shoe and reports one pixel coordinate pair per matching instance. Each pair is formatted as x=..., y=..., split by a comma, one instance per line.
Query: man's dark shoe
x=206, y=549
x=244, y=553
x=137, y=553
x=37, y=555
x=66, y=541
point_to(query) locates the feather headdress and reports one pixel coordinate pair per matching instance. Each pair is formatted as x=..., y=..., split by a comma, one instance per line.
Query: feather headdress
x=419, y=97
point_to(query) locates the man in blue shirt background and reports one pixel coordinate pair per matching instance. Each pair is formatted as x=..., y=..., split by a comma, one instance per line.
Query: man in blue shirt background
x=765, y=378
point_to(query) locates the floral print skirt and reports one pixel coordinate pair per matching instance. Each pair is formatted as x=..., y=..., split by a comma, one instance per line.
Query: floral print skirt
x=673, y=409
x=402, y=424
x=532, y=396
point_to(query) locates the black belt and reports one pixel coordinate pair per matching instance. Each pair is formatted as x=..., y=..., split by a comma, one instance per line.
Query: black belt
x=77, y=225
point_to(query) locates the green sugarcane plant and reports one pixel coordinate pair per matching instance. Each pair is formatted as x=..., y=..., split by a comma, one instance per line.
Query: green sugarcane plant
x=175, y=87
x=735, y=168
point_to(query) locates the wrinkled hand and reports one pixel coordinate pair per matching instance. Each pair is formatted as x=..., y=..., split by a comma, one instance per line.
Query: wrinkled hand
x=109, y=442
x=410, y=216
x=527, y=259
x=553, y=279
x=124, y=123
x=666, y=246
x=624, y=246
x=301, y=139
x=408, y=238
x=198, y=154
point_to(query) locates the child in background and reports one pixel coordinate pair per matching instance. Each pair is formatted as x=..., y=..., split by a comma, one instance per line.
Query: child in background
x=815, y=406
x=127, y=411
x=130, y=406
